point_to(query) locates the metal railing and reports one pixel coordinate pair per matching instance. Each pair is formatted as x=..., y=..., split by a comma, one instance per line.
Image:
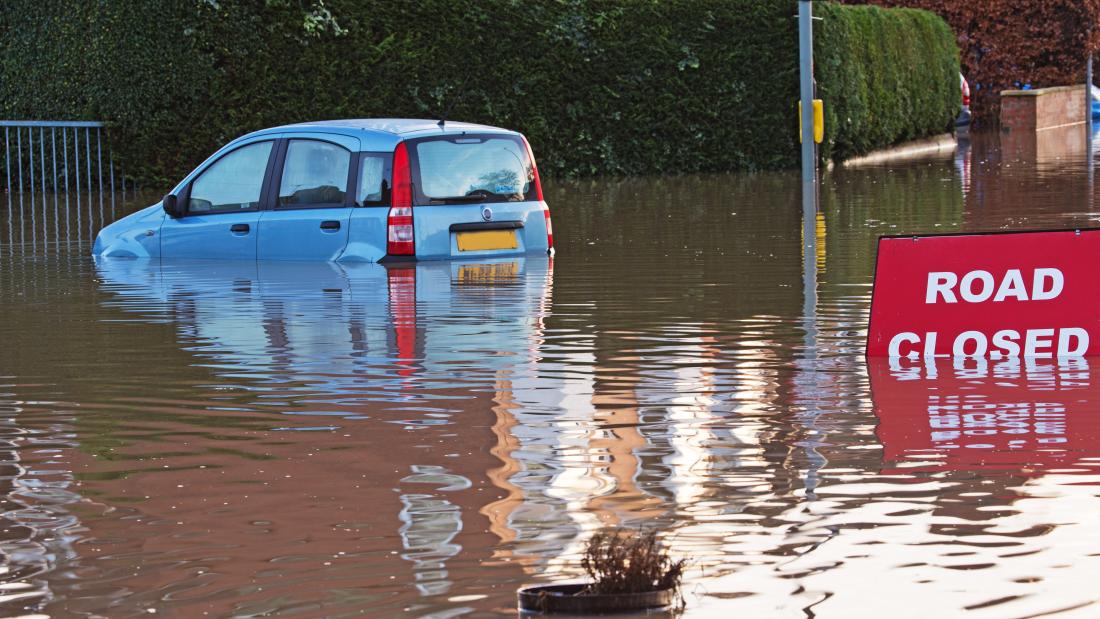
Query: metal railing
x=27, y=143
x=58, y=164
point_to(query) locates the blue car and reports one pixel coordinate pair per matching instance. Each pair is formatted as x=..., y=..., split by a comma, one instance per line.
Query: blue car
x=375, y=190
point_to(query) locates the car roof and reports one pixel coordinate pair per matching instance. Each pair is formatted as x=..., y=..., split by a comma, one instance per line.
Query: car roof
x=403, y=127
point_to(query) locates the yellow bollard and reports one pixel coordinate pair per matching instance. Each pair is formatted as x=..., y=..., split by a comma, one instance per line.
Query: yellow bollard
x=819, y=121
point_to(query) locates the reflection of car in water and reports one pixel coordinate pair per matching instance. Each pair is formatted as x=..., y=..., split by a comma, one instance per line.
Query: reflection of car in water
x=344, y=321
x=353, y=191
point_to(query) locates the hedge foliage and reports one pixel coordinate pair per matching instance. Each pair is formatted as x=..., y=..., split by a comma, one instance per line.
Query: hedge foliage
x=623, y=87
x=886, y=76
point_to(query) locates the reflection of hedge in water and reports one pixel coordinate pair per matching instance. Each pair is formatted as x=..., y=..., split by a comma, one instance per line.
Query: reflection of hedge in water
x=715, y=248
x=914, y=199
x=614, y=87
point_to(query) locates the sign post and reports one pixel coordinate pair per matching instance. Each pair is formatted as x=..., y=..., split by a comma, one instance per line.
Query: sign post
x=806, y=88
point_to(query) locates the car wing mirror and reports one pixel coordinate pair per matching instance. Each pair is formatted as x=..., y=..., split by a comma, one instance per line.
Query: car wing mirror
x=172, y=206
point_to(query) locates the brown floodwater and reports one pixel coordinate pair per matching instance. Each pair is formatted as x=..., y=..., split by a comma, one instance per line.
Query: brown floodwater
x=240, y=440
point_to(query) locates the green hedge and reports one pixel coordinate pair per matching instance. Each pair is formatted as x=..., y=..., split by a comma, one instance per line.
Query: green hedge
x=886, y=75
x=621, y=87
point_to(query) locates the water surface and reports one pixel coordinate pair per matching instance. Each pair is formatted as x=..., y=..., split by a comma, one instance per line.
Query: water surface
x=245, y=439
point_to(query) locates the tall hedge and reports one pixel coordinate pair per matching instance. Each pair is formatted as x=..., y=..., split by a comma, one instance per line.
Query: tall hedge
x=620, y=87
x=886, y=76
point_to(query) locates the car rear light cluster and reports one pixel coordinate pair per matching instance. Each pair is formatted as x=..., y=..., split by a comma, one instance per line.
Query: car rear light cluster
x=966, y=93
x=400, y=240
x=549, y=228
x=538, y=196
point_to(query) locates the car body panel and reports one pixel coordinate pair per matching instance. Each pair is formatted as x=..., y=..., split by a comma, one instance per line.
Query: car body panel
x=306, y=233
x=210, y=237
x=367, y=235
x=435, y=240
x=136, y=236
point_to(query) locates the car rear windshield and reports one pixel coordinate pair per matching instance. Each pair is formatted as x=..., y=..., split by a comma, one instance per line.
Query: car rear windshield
x=473, y=169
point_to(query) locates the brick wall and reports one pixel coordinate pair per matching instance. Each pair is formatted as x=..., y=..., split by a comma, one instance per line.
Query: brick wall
x=1046, y=108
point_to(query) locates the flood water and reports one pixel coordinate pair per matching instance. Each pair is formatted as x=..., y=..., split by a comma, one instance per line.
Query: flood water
x=242, y=440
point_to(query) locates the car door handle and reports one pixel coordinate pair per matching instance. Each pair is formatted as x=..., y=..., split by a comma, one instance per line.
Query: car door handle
x=330, y=225
x=240, y=228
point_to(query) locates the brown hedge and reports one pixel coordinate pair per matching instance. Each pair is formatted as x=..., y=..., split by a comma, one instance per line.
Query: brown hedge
x=1010, y=42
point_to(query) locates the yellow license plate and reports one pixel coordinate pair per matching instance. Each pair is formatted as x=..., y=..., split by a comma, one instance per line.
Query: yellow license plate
x=487, y=239
x=487, y=273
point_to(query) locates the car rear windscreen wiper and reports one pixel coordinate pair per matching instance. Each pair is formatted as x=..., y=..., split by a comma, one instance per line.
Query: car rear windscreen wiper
x=477, y=198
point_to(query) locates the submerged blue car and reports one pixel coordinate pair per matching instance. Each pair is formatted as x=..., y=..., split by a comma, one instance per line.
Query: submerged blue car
x=374, y=190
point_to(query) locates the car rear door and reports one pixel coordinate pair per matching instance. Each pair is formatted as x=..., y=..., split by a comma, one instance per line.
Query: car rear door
x=222, y=206
x=475, y=196
x=312, y=189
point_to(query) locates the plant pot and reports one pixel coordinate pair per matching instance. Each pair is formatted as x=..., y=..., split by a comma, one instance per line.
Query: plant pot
x=564, y=599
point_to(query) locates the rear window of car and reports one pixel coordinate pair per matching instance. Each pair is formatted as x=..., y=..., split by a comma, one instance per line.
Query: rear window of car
x=472, y=169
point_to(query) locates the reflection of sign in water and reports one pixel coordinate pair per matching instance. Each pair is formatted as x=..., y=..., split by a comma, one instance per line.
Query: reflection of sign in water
x=997, y=296
x=975, y=414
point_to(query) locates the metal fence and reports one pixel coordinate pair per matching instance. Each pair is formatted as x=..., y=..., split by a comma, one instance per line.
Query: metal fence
x=58, y=164
x=57, y=156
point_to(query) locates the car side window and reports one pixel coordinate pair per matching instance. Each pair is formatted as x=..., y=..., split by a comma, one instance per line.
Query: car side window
x=315, y=173
x=372, y=186
x=233, y=183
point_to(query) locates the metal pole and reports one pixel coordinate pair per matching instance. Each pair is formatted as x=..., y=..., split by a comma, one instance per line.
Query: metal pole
x=65, y=172
x=99, y=170
x=42, y=158
x=30, y=159
x=1088, y=118
x=809, y=172
x=76, y=162
x=806, y=86
x=30, y=164
x=53, y=158
x=99, y=161
x=111, y=166
x=65, y=162
x=19, y=156
x=88, y=160
x=76, y=166
x=808, y=376
x=42, y=177
x=7, y=161
x=88, y=178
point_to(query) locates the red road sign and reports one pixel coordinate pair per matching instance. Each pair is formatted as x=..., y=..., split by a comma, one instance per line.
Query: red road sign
x=1004, y=295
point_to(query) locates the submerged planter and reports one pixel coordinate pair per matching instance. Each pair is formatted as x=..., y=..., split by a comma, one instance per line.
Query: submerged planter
x=565, y=599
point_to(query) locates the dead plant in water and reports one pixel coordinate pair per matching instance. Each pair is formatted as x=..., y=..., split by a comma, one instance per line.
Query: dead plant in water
x=629, y=562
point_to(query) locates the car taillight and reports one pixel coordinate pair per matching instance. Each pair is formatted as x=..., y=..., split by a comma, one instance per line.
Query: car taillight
x=549, y=227
x=966, y=93
x=538, y=196
x=534, y=172
x=399, y=224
